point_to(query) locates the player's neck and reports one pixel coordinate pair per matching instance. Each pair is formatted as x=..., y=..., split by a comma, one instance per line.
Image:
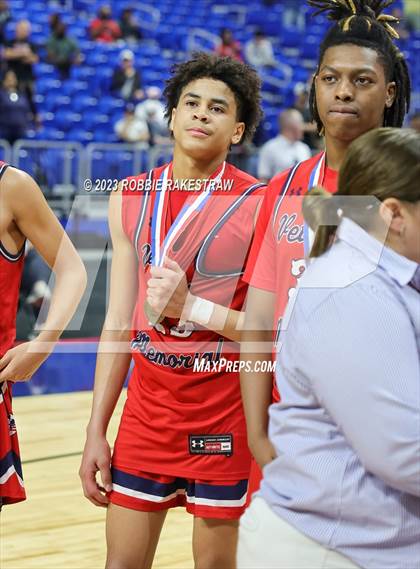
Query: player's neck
x=335, y=151
x=187, y=168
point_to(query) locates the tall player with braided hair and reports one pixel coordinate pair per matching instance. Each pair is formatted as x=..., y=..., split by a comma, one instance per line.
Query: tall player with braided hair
x=362, y=22
x=361, y=83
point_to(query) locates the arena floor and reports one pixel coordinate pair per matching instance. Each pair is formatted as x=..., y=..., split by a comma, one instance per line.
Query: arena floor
x=57, y=527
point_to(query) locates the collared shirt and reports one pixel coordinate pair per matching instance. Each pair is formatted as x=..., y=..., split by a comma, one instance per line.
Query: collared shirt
x=280, y=153
x=260, y=53
x=347, y=431
x=134, y=130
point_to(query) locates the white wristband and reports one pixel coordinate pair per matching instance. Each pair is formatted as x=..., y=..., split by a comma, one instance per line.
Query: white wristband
x=201, y=311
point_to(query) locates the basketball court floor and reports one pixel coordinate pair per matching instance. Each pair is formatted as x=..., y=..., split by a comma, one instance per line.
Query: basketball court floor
x=56, y=527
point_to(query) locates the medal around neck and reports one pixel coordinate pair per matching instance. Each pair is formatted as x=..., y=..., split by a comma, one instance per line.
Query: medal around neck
x=159, y=247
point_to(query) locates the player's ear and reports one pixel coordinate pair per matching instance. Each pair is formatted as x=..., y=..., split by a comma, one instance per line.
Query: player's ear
x=171, y=124
x=392, y=213
x=391, y=90
x=238, y=133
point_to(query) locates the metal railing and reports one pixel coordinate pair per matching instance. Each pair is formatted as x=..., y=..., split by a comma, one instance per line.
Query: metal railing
x=122, y=160
x=63, y=166
x=239, y=12
x=64, y=170
x=154, y=14
x=69, y=151
x=201, y=40
x=57, y=167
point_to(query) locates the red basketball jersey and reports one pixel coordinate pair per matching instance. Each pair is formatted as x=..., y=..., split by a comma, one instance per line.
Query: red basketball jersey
x=181, y=419
x=11, y=266
x=277, y=257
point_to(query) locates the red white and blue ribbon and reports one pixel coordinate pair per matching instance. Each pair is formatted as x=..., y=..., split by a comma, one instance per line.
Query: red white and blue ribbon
x=316, y=177
x=159, y=249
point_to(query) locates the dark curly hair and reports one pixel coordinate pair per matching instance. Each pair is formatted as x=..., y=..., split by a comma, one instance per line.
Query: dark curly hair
x=241, y=79
x=361, y=22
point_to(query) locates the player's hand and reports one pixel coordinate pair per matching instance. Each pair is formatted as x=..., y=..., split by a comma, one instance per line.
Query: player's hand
x=262, y=449
x=96, y=457
x=21, y=362
x=167, y=289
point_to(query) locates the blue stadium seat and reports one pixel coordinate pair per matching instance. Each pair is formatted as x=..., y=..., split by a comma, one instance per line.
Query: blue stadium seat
x=55, y=101
x=107, y=105
x=93, y=121
x=45, y=85
x=17, y=4
x=49, y=133
x=79, y=135
x=105, y=135
x=37, y=6
x=96, y=58
x=48, y=119
x=67, y=120
x=30, y=134
x=291, y=37
x=82, y=73
x=84, y=101
x=45, y=70
x=310, y=47
x=73, y=86
x=255, y=17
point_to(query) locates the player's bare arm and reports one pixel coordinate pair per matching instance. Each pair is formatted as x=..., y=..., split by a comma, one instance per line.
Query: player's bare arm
x=113, y=360
x=256, y=387
x=26, y=214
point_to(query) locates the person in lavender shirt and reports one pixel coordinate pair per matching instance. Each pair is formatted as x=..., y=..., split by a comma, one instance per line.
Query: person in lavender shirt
x=344, y=488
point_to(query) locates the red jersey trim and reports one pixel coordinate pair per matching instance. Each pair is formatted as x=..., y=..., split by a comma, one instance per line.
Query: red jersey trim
x=142, y=214
x=284, y=191
x=199, y=265
x=12, y=257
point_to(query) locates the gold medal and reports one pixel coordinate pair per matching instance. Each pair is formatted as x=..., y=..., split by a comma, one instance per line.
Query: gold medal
x=152, y=316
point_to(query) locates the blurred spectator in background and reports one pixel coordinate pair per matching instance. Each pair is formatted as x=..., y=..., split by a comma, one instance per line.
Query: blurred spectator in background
x=15, y=114
x=310, y=136
x=286, y=149
x=415, y=122
x=259, y=51
x=152, y=112
x=126, y=80
x=62, y=50
x=104, y=28
x=34, y=292
x=20, y=55
x=404, y=27
x=130, y=29
x=131, y=128
x=4, y=18
x=412, y=13
x=293, y=15
x=53, y=20
x=229, y=47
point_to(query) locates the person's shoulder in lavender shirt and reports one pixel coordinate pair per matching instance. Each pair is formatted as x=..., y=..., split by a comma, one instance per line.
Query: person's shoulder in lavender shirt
x=347, y=429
